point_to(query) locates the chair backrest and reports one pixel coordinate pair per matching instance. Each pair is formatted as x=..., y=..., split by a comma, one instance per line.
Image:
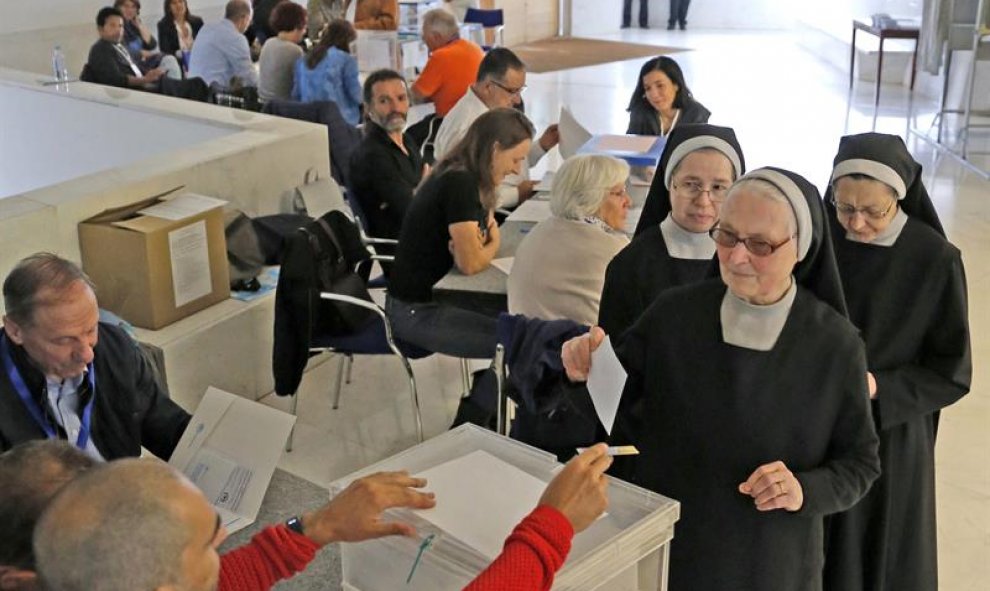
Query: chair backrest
x=87, y=74
x=486, y=18
x=342, y=137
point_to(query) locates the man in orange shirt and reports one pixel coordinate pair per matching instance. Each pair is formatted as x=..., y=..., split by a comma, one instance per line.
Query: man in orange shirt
x=453, y=63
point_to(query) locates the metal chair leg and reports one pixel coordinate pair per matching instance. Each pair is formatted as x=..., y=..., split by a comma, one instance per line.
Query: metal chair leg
x=350, y=364
x=292, y=432
x=340, y=379
x=465, y=378
x=501, y=414
x=417, y=414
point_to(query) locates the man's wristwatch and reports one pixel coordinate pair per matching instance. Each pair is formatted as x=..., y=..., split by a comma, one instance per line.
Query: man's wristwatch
x=295, y=524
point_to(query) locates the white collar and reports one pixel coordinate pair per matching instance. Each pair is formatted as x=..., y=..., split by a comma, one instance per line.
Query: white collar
x=889, y=234
x=755, y=327
x=682, y=244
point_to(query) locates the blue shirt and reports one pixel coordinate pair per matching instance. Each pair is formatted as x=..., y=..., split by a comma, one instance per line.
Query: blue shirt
x=63, y=397
x=221, y=52
x=335, y=79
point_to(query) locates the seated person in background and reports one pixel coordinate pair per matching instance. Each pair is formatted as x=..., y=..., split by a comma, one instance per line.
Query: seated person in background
x=148, y=515
x=261, y=19
x=221, y=52
x=138, y=40
x=559, y=267
x=280, y=52
x=662, y=100
x=30, y=475
x=330, y=73
x=376, y=15
x=67, y=376
x=386, y=168
x=453, y=64
x=449, y=223
x=110, y=63
x=322, y=12
x=499, y=84
x=178, y=29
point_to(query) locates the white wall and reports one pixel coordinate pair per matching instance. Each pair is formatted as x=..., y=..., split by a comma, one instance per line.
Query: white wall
x=591, y=17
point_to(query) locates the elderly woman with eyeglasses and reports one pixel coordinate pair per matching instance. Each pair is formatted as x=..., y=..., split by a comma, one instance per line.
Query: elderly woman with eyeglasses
x=905, y=288
x=747, y=396
x=697, y=166
x=559, y=267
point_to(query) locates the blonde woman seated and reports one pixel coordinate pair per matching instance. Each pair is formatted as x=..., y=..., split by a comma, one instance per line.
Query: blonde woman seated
x=560, y=266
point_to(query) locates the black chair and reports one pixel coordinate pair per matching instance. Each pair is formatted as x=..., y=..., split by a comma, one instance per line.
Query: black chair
x=342, y=137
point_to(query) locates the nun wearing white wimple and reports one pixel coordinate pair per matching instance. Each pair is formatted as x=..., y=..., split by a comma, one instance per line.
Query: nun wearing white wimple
x=747, y=397
x=905, y=288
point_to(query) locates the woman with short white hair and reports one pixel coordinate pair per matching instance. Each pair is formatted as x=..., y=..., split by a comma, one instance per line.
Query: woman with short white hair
x=559, y=269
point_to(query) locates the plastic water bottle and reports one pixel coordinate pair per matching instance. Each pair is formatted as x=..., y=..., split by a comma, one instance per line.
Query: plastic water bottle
x=58, y=65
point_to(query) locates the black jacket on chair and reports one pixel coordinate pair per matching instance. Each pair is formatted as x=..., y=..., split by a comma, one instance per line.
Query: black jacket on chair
x=342, y=136
x=297, y=296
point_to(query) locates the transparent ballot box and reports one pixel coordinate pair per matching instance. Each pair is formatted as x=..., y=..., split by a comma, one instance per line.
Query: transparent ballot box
x=485, y=484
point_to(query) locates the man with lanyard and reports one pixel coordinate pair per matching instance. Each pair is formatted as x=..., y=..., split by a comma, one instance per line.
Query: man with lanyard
x=57, y=383
x=109, y=62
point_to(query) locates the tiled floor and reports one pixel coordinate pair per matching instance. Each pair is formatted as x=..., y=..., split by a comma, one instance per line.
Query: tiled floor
x=789, y=109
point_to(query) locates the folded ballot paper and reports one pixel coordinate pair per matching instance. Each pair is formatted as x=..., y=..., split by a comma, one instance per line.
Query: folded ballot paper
x=229, y=450
x=573, y=135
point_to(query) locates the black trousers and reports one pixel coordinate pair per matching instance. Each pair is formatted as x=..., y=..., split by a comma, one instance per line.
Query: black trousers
x=644, y=12
x=678, y=12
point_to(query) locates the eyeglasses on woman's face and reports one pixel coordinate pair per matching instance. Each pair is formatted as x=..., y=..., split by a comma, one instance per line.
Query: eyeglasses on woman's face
x=758, y=247
x=694, y=190
x=874, y=213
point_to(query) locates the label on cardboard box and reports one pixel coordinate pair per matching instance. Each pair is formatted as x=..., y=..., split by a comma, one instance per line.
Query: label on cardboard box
x=189, y=251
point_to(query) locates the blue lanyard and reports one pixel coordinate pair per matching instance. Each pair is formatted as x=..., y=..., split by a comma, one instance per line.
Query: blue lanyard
x=39, y=417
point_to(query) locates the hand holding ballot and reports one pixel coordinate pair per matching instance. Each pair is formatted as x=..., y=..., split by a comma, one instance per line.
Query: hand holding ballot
x=579, y=490
x=355, y=514
x=550, y=137
x=576, y=353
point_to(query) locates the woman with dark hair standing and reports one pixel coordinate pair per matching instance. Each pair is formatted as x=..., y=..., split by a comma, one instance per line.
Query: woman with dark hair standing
x=662, y=100
x=279, y=54
x=905, y=288
x=178, y=28
x=330, y=73
x=450, y=222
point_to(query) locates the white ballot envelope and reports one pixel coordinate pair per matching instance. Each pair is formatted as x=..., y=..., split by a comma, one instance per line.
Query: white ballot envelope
x=229, y=450
x=573, y=135
x=531, y=210
x=606, y=381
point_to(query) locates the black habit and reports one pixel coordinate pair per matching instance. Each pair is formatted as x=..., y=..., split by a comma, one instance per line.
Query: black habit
x=705, y=415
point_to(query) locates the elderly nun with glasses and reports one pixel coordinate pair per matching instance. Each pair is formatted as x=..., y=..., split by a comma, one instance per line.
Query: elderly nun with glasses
x=905, y=289
x=672, y=246
x=559, y=267
x=747, y=396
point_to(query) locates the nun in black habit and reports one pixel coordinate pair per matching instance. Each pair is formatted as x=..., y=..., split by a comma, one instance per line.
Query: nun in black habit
x=905, y=289
x=697, y=166
x=747, y=397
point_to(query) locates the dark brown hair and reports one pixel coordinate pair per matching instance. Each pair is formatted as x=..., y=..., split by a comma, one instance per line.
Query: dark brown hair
x=337, y=33
x=287, y=16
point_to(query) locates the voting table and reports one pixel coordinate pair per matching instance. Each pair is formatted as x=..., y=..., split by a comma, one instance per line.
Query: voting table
x=485, y=484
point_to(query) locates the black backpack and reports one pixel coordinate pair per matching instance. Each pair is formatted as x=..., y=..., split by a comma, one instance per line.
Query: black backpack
x=334, y=273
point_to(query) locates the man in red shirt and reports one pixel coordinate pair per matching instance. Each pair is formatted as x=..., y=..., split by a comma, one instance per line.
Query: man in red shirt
x=453, y=63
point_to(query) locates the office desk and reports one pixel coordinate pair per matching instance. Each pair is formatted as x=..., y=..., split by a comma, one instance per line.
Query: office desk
x=290, y=495
x=883, y=33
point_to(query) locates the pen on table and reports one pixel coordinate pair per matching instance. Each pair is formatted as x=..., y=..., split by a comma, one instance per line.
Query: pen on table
x=617, y=450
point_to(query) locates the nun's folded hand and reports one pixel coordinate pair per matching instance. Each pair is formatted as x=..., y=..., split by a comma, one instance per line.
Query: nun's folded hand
x=773, y=486
x=576, y=353
x=871, y=382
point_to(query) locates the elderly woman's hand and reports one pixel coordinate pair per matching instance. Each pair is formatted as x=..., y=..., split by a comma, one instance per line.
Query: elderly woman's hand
x=576, y=353
x=773, y=486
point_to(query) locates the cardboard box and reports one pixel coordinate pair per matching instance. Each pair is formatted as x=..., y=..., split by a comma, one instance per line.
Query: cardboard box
x=157, y=260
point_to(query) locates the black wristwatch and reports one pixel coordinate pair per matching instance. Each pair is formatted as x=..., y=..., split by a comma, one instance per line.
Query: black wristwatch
x=295, y=524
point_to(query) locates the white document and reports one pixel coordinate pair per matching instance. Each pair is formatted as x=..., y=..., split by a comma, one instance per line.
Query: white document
x=606, y=380
x=504, y=264
x=229, y=450
x=376, y=50
x=182, y=206
x=480, y=499
x=625, y=143
x=546, y=183
x=190, y=255
x=573, y=135
x=532, y=210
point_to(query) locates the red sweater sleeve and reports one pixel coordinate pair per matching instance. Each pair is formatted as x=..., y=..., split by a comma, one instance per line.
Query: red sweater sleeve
x=274, y=553
x=532, y=554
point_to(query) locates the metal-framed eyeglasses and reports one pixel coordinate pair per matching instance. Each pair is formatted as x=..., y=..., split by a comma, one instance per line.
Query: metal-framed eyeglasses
x=847, y=211
x=760, y=248
x=694, y=190
x=512, y=91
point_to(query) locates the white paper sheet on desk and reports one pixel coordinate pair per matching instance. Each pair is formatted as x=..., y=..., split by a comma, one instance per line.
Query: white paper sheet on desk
x=532, y=210
x=182, y=206
x=504, y=264
x=480, y=498
x=229, y=449
x=625, y=143
x=606, y=380
x=573, y=135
